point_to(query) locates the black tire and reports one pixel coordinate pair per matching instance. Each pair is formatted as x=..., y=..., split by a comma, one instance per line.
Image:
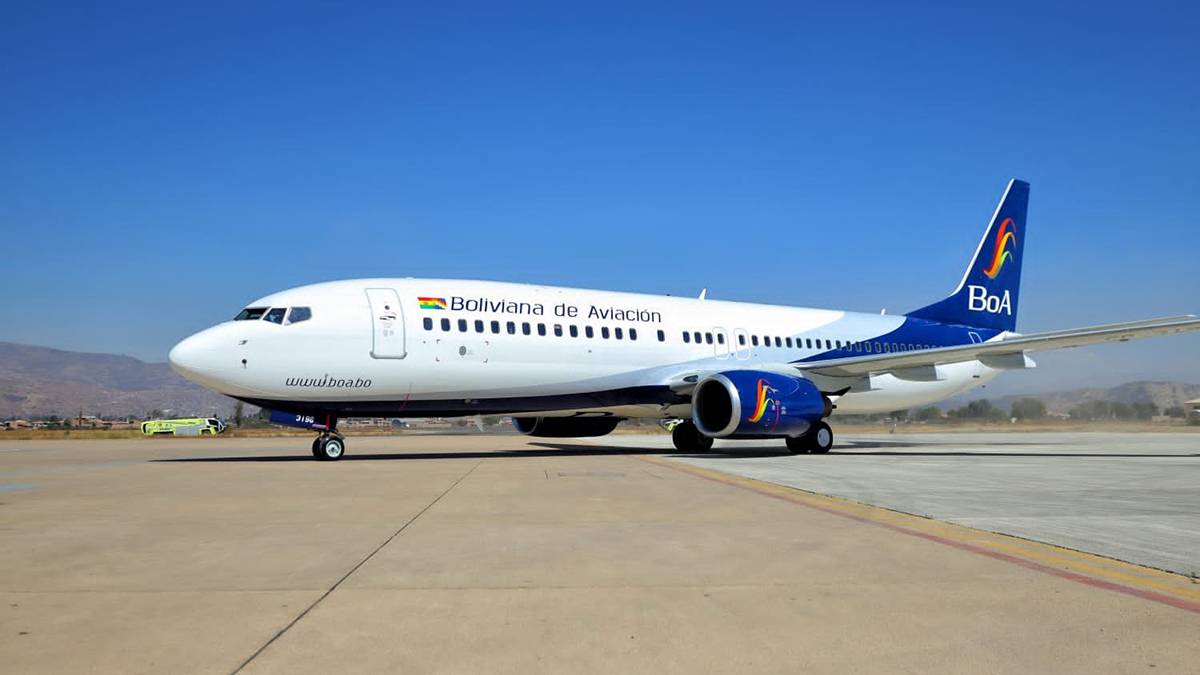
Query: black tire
x=315, y=451
x=330, y=449
x=687, y=438
x=798, y=445
x=820, y=438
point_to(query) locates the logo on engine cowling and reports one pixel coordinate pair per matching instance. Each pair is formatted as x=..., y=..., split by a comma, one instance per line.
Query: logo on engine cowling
x=763, y=400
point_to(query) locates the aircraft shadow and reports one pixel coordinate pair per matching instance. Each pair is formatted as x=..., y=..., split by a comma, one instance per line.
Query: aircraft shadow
x=852, y=449
x=548, y=450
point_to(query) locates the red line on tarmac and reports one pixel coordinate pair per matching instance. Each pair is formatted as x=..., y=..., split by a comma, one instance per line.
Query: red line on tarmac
x=1162, y=598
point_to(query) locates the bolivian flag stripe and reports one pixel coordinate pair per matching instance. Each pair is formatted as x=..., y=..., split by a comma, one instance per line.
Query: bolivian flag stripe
x=432, y=303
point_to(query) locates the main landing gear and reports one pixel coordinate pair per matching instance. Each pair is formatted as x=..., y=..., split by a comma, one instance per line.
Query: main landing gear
x=329, y=446
x=817, y=440
x=687, y=438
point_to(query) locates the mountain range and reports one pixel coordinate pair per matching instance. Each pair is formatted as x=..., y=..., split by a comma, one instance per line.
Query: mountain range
x=38, y=381
x=1162, y=394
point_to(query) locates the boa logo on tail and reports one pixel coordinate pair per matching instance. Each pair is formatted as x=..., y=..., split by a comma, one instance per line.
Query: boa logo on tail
x=1000, y=252
x=760, y=406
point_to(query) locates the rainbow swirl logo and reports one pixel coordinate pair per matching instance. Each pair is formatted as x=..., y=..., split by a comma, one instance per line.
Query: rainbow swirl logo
x=760, y=406
x=1001, y=252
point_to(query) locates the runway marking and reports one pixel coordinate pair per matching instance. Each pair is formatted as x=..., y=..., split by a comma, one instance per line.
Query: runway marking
x=1085, y=568
x=354, y=569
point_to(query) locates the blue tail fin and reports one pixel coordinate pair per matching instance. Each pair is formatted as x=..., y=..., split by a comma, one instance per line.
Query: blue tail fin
x=987, y=295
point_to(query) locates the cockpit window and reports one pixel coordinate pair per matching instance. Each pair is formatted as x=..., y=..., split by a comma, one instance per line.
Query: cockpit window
x=299, y=314
x=250, y=314
x=275, y=315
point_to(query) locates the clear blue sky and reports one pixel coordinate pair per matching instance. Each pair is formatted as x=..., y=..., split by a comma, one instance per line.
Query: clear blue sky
x=161, y=166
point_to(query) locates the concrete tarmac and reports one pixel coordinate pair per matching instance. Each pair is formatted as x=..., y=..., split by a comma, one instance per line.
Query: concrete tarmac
x=1130, y=496
x=501, y=554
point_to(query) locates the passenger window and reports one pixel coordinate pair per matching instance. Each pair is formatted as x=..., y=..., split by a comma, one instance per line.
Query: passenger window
x=741, y=339
x=617, y=333
x=708, y=338
x=525, y=329
x=298, y=314
x=754, y=340
x=542, y=329
x=632, y=333
x=778, y=341
x=687, y=337
x=275, y=315
x=250, y=314
x=788, y=342
x=428, y=323
x=720, y=338
x=496, y=327
x=462, y=325
x=696, y=336
x=511, y=327
x=808, y=343
x=867, y=347
x=446, y=324
x=558, y=330
x=878, y=348
x=574, y=331
x=604, y=332
x=662, y=337
x=478, y=326
x=587, y=332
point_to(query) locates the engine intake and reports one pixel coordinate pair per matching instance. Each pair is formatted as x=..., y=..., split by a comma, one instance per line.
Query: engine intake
x=565, y=427
x=751, y=403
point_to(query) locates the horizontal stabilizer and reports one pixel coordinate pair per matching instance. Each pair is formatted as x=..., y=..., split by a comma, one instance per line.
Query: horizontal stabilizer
x=1012, y=347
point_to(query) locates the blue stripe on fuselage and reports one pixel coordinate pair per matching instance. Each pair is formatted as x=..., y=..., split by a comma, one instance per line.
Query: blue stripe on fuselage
x=915, y=332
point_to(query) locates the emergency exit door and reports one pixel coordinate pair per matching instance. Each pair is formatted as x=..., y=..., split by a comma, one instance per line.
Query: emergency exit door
x=387, y=323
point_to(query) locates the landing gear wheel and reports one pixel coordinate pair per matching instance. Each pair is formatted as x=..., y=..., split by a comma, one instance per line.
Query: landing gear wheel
x=820, y=438
x=798, y=445
x=687, y=438
x=316, y=444
x=330, y=448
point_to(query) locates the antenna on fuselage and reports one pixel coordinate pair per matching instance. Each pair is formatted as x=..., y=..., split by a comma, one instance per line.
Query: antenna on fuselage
x=703, y=292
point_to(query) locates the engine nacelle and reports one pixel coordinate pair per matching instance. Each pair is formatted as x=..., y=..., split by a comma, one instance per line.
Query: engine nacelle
x=751, y=403
x=565, y=427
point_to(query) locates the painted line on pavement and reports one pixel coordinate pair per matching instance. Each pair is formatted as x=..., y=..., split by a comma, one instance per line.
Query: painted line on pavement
x=1085, y=568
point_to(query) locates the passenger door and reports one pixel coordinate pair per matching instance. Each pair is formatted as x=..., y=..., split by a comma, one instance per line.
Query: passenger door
x=387, y=324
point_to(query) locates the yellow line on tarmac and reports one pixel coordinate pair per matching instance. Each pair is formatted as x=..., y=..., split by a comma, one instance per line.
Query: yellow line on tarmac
x=1149, y=583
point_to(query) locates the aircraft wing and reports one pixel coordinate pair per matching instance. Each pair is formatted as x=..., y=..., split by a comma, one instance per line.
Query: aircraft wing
x=1003, y=353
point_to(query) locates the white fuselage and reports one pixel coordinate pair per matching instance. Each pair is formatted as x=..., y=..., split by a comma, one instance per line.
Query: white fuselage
x=372, y=341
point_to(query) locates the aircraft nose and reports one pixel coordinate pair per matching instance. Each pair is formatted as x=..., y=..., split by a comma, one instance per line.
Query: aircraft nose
x=193, y=354
x=183, y=355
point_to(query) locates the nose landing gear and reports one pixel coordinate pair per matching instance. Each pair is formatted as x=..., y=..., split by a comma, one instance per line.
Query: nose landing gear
x=329, y=446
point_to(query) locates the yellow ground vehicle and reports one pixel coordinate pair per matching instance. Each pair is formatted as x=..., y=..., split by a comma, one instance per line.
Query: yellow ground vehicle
x=188, y=426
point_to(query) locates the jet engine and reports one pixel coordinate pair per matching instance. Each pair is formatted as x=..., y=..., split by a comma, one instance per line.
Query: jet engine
x=751, y=403
x=565, y=427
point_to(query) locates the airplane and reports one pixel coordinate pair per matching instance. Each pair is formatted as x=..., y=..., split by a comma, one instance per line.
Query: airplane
x=571, y=363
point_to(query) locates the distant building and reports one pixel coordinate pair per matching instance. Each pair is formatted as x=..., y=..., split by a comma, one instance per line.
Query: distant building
x=1193, y=406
